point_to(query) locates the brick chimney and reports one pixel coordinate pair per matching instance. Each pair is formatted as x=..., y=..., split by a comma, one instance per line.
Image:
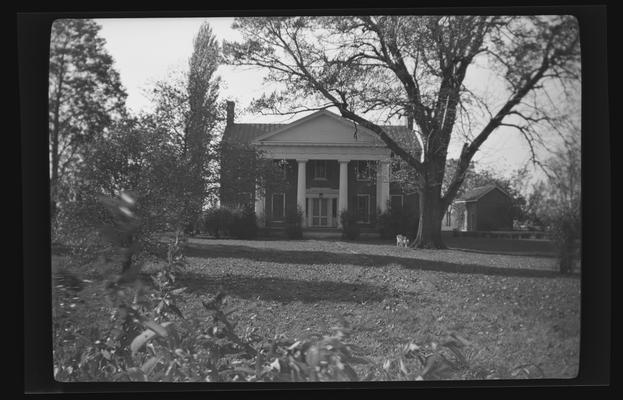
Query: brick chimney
x=231, y=107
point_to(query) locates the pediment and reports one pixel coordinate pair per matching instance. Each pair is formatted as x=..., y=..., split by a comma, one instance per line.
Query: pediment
x=322, y=127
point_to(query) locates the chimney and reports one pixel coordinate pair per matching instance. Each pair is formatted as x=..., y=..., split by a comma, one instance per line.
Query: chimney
x=410, y=123
x=231, y=106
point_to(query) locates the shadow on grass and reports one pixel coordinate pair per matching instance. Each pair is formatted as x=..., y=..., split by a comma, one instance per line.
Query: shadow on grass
x=282, y=290
x=365, y=260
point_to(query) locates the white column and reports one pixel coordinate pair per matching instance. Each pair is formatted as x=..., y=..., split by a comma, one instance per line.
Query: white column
x=259, y=207
x=382, y=186
x=300, y=190
x=342, y=202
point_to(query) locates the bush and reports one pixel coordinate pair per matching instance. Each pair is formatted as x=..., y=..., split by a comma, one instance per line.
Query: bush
x=294, y=224
x=566, y=229
x=217, y=221
x=239, y=222
x=244, y=223
x=396, y=221
x=350, y=225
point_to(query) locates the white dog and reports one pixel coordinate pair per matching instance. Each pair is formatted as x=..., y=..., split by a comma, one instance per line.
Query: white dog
x=402, y=241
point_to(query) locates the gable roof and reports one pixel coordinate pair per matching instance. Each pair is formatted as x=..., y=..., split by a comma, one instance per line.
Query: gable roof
x=246, y=133
x=316, y=115
x=477, y=193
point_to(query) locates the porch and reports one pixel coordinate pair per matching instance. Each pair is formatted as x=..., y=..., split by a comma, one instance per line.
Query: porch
x=335, y=166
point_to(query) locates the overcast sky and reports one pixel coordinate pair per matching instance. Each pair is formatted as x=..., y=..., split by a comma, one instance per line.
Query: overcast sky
x=146, y=50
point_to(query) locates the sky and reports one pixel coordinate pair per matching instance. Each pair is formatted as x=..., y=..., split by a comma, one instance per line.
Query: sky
x=146, y=50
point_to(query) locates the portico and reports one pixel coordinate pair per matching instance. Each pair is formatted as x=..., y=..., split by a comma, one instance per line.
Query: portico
x=339, y=166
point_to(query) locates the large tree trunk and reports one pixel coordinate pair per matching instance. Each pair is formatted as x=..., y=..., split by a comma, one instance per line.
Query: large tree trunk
x=431, y=213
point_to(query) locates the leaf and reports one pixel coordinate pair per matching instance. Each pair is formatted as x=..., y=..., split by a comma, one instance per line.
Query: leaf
x=461, y=339
x=312, y=356
x=136, y=375
x=276, y=365
x=352, y=375
x=106, y=354
x=403, y=368
x=140, y=340
x=158, y=329
x=147, y=334
x=178, y=291
x=149, y=365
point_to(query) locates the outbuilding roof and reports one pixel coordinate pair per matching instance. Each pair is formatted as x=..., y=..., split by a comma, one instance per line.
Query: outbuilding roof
x=476, y=193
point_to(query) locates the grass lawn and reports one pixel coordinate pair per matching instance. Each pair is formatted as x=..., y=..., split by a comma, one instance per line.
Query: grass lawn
x=515, y=310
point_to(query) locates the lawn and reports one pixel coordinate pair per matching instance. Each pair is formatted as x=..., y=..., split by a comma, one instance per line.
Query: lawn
x=513, y=310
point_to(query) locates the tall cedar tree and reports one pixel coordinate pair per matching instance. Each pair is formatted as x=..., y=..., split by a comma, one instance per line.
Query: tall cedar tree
x=202, y=90
x=85, y=97
x=413, y=67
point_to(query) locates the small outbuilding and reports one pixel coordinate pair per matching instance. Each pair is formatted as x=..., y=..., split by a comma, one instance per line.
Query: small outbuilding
x=484, y=208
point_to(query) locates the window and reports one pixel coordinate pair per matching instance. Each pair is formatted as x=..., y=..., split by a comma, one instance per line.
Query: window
x=365, y=170
x=396, y=202
x=363, y=208
x=279, y=206
x=283, y=166
x=320, y=169
x=448, y=217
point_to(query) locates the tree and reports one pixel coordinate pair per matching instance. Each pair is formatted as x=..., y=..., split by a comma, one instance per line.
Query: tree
x=414, y=67
x=558, y=203
x=185, y=116
x=85, y=98
x=203, y=92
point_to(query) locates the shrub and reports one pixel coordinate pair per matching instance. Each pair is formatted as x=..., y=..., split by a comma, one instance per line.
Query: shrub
x=566, y=229
x=350, y=225
x=244, y=223
x=397, y=221
x=294, y=224
x=217, y=221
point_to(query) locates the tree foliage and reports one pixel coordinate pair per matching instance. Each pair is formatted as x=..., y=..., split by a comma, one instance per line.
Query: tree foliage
x=556, y=202
x=203, y=93
x=414, y=67
x=166, y=157
x=85, y=97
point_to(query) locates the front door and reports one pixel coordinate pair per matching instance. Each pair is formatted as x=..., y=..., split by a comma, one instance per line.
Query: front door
x=320, y=212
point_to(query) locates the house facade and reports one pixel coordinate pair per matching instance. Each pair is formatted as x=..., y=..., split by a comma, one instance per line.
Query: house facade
x=329, y=164
x=484, y=208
